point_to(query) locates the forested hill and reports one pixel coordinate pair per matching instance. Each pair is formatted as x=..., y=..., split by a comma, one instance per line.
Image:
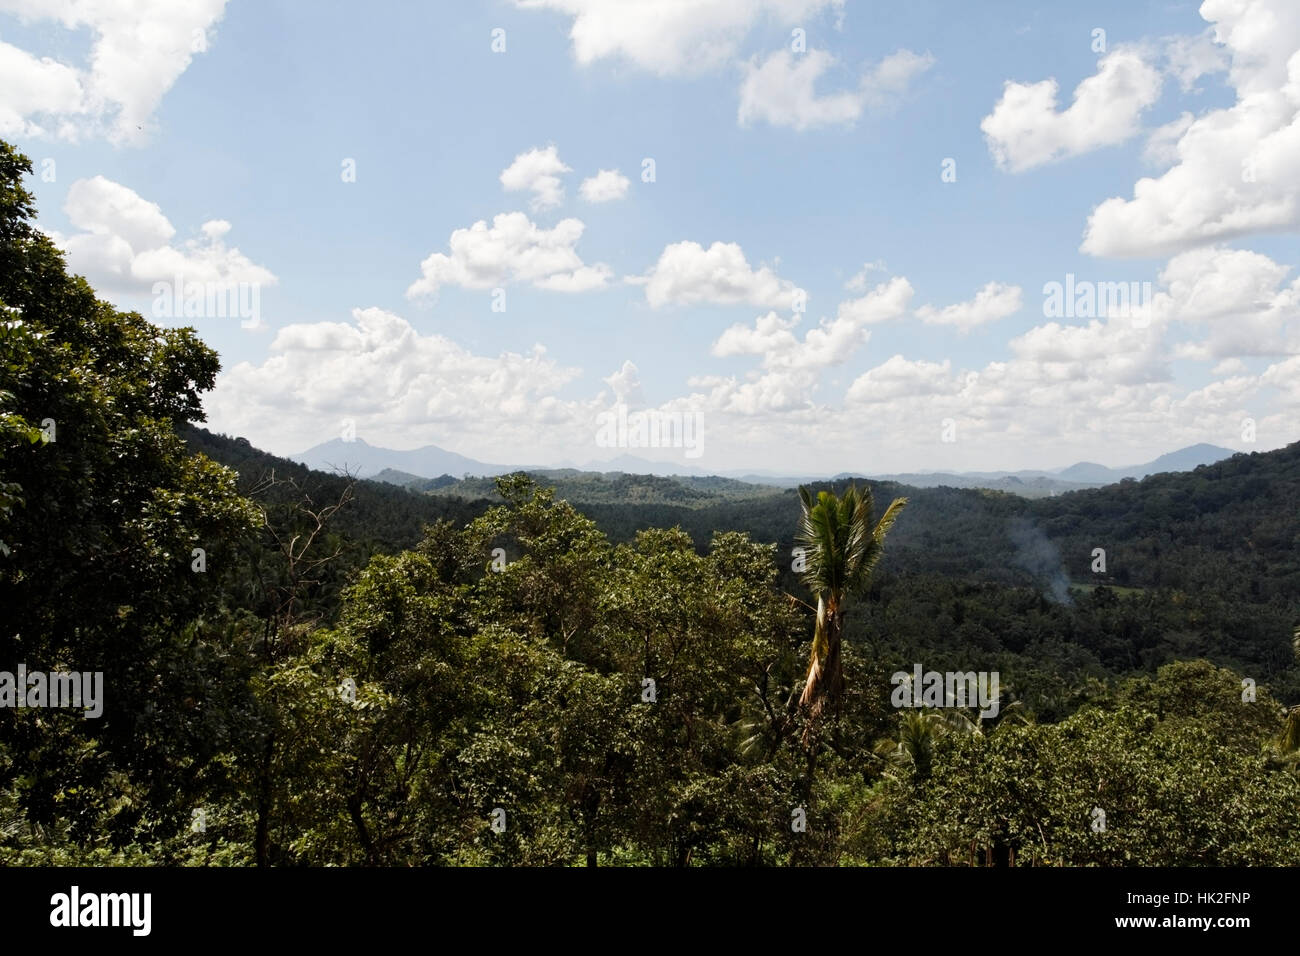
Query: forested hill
x=590, y=487
x=381, y=516
x=1195, y=563
x=1232, y=527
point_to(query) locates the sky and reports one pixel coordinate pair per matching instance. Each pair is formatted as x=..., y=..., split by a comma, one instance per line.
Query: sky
x=784, y=235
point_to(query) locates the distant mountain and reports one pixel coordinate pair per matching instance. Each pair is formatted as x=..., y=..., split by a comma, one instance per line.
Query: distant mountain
x=1235, y=520
x=425, y=468
x=1184, y=459
x=414, y=482
x=365, y=460
x=1091, y=473
x=1035, y=485
x=380, y=515
x=1077, y=477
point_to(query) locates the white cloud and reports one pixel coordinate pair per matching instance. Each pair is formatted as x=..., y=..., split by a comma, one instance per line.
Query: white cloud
x=769, y=334
x=1114, y=351
x=139, y=49
x=512, y=249
x=792, y=367
x=1161, y=148
x=605, y=186
x=537, y=170
x=1285, y=375
x=900, y=378
x=1239, y=295
x=581, y=279
x=858, y=282
x=399, y=386
x=886, y=301
x=782, y=90
x=687, y=273
x=671, y=36
x=830, y=343
x=994, y=301
x=37, y=87
x=626, y=385
x=125, y=243
x=1238, y=168
x=891, y=77
x=1191, y=57
x=1026, y=129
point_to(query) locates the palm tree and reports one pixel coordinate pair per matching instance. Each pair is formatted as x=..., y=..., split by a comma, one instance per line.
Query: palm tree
x=913, y=750
x=1290, y=741
x=841, y=547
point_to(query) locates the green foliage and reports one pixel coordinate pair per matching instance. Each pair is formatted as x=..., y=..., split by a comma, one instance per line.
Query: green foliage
x=607, y=671
x=101, y=509
x=1179, y=789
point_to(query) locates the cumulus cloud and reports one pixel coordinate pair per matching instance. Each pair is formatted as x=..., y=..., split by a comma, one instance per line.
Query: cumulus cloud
x=900, y=378
x=891, y=77
x=538, y=171
x=626, y=385
x=671, y=36
x=769, y=334
x=687, y=273
x=139, y=49
x=1188, y=58
x=858, y=281
x=512, y=249
x=1026, y=128
x=1239, y=296
x=994, y=301
x=1161, y=148
x=886, y=301
x=1238, y=168
x=829, y=343
x=782, y=89
x=38, y=88
x=393, y=382
x=606, y=186
x=792, y=367
x=1113, y=351
x=124, y=243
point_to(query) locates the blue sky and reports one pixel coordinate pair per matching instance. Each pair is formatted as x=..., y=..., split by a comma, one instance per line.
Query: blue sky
x=802, y=162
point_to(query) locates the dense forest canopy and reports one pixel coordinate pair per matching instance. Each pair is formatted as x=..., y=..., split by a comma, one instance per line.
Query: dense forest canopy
x=300, y=668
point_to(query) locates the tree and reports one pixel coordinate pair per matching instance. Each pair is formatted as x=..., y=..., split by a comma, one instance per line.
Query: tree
x=841, y=550
x=107, y=522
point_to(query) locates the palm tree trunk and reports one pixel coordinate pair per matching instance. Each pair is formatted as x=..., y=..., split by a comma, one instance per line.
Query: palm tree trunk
x=825, y=682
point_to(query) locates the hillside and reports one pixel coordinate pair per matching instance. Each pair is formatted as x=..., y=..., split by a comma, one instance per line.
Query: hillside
x=382, y=516
x=1208, y=559
x=614, y=488
x=1231, y=526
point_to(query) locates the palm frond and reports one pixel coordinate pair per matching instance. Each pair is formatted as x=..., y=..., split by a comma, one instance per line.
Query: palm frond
x=1290, y=742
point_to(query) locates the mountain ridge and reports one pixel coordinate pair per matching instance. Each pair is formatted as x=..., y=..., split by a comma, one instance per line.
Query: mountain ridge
x=430, y=463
